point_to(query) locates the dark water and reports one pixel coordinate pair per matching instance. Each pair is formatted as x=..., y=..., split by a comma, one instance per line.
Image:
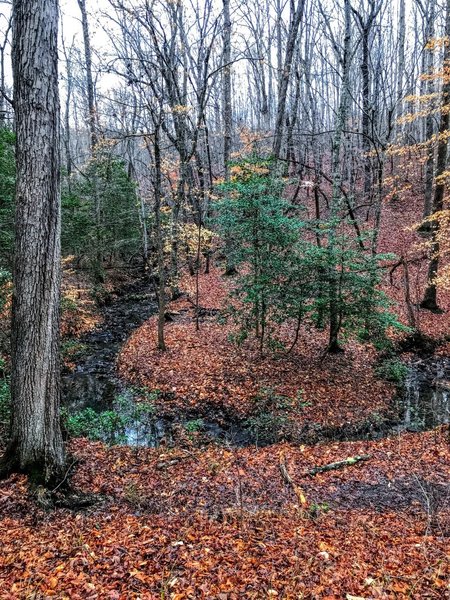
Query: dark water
x=95, y=385
x=94, y=382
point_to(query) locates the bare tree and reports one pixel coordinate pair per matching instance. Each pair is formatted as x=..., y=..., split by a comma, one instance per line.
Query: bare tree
x=226, y=74
x=89, y=78
x=296, y=17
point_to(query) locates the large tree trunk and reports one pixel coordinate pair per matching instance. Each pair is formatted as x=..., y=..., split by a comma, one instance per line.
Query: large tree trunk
x=430, y=297
x=36, y=445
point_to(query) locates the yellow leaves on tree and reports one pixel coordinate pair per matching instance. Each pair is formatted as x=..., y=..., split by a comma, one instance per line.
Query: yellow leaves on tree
x=189, y=235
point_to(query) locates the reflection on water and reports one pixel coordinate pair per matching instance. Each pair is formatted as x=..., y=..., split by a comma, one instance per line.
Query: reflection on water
x=426, y=402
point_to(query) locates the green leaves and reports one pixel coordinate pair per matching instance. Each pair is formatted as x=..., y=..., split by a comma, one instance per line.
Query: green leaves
x=100, y=213
x=291, y=268
x=7, y=185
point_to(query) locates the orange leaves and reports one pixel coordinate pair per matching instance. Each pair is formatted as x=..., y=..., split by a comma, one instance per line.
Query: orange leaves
x=205, y=371
x=188, y=534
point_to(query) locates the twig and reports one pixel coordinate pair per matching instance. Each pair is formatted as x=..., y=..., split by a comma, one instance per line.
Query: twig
x=287, y=478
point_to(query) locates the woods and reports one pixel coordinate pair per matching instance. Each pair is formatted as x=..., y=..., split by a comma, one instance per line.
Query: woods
x=224, y=299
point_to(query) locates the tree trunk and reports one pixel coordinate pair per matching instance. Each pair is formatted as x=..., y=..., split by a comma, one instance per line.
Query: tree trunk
x=428, y=88
x=365, y=75
x=69, y=86
x=159, y=241
x=401, y=61
x=89, y=79
x=230, y=269
x=335, y=320
x=285, y=77
x=93, y=140
x=227, y=107
x=36, y=445
x=430, y=297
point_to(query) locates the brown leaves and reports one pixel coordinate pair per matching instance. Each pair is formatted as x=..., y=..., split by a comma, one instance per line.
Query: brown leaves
x=204, y=371
x=187, y=534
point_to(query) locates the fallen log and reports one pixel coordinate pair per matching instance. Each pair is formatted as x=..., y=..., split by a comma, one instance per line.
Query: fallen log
x=348, y=462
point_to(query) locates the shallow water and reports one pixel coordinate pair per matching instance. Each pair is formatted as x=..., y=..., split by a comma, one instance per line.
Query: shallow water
x=94, y=383
x=426, y=399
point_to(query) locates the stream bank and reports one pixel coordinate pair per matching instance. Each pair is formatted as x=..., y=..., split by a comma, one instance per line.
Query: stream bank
x=93, y=382
x=94, y=397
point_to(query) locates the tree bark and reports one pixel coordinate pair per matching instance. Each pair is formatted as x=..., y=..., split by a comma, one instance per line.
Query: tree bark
x=341, y=117
x=285, y=77
x=430, y=296
x=89, y=79
x=227, y=107
x=428, y=88
x=36, y=445
x=93, y=141
x=159, y=239
x=230, y=269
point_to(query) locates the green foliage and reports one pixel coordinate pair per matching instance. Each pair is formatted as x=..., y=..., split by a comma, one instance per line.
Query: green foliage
x=94, y=425
x=68, y=304
x=100, y=213
x=194, y=425
x=256, y=218
x=315, y=510
x=393, y=370
x=5, y=288
x=348, y=283
x=100, y=294
x=128, y=421
x=72, y=349
x=291, y=269
x=99, y=209
x=7, y=185
x=266, y=428
x=5, y=395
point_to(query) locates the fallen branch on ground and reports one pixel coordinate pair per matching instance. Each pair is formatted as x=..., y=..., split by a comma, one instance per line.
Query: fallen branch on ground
x=286, y=477
x=348, y=462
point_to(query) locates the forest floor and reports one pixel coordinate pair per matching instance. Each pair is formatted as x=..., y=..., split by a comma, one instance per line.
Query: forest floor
x=205, y=374
x=215, y=521
x=222, y=523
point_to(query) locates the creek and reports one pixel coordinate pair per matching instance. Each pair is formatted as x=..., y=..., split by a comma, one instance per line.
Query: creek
x=94, y=383
x=423, y=404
